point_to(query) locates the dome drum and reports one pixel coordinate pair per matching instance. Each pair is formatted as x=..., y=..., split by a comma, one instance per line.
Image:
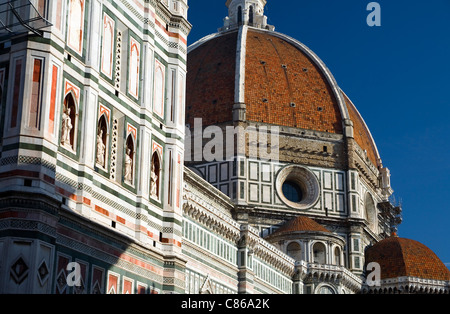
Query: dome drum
x=304, y=239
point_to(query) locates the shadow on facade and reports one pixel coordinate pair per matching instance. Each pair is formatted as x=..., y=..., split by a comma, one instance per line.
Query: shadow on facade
x=47, y=247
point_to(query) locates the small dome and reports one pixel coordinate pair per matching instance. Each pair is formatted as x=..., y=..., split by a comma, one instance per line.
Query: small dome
x=301, y=223
x=400, y=257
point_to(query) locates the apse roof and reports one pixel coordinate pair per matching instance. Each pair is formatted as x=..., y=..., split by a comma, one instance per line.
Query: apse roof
x=400, y=257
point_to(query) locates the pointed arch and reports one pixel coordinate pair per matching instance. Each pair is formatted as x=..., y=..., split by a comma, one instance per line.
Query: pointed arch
x=155, y=175
x=107, y=45
x=207, y=286
x=130, y=151
x=251, y=15
x=102, y=141
x=134, y=68
x=159, y=88
x=239, y=15
x=69, y=121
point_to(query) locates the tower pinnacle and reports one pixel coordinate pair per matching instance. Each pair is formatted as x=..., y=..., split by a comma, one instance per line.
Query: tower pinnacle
x=246, y=12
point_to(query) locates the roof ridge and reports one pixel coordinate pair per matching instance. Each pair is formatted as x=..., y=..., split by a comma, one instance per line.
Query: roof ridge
x=402, y=251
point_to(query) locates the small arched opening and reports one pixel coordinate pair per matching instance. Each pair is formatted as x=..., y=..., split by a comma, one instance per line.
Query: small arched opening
x=250, y=16
x=155, y=175
x=68, y=123
x=294, y=250
x=239, y=15
x=102, y=141
x=319, y=253
x=337, y=256
x=129, y=160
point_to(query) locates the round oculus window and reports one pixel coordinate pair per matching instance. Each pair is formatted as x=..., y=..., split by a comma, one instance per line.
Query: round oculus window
x=297, y=187
x=292, y=191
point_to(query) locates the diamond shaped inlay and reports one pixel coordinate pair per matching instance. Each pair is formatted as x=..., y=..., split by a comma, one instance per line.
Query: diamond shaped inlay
x=19, y=270
x=43, y=272
x=61, y=282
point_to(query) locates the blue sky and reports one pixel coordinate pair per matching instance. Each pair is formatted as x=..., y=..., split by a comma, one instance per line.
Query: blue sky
x=397, y=75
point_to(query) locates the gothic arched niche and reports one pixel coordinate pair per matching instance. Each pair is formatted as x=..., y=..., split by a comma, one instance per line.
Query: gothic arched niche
x=129, y=160
x=68, y=123
x=102, y=140
x=155, y=175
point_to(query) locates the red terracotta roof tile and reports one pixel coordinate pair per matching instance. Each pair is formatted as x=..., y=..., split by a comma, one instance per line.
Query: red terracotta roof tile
x=400, y=257
x=301, y=223
x=284, y=87
x=210, y=80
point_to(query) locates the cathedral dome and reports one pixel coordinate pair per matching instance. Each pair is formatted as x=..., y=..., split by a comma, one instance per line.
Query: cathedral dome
x=274, y=79
x=400, y=257
x=283, y=85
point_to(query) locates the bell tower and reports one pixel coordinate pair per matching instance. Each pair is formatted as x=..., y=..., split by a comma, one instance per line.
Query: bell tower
x=246, y=12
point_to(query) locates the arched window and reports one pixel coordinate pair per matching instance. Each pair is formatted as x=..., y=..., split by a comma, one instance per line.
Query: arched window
x=294, y=250
x=155, y=175
x=102, y=136
x=239, y=15
x=319, y=252
x=68, y=123
x=250, y=15
x=129, y=160
x=337, y=256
